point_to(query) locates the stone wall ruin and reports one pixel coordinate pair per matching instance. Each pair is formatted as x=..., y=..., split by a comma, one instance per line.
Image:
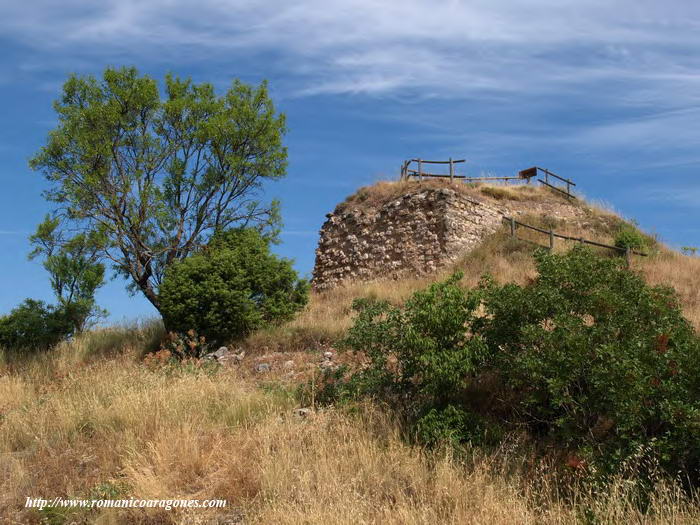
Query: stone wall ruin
x=414, y=234
x=425, y=228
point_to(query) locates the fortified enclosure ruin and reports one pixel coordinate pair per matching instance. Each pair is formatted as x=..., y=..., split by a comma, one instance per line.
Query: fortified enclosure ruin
x=391, y=230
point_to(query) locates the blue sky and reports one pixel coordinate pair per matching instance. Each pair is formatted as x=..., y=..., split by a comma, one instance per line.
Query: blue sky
x=606, y=93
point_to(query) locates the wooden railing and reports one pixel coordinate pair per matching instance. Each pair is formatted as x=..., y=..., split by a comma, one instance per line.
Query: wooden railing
x=552, y=235
x=418, y=172
x=533, y=172
x=416, y=168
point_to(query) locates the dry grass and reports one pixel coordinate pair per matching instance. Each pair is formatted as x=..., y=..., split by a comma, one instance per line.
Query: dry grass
x=90, y=420
x=114, y=423
x=329, y=313
x=344, y=470
x=118, y=429
x=682, y=272
x=382, y=192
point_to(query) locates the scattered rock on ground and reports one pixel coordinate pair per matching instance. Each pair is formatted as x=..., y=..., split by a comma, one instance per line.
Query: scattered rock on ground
x=262, y=367
x=327, y=363
x=223, y=355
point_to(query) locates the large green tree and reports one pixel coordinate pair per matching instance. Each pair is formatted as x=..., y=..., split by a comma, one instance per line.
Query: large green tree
x=155, y=175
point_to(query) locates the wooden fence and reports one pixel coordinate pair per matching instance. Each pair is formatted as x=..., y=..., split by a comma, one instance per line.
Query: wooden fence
x=535, y=170
x=416, y=168
x=514, y=224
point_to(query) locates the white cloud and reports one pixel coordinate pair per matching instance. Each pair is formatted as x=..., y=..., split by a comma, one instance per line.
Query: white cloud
x=633, y=62
x=447, y=48
x=649, y=132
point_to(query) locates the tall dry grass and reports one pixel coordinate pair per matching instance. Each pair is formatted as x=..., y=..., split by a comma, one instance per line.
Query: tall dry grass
x=681, y=272
x=116, y=429
x=91, y=420
x=114, y=423
x=382, y=192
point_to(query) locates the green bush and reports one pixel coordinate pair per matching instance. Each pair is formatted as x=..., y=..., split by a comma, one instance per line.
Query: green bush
x=231, y=288
x=34, y=325
x=421, y=356
x=454, y=424
x=600, y=361
x=586, y=357
x=629, y=237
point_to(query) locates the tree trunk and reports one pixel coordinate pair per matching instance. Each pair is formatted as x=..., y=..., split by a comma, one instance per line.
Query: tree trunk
x=150, y=294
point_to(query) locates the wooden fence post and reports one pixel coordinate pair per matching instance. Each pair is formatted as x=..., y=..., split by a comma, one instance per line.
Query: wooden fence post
x=551, y=240
x=452, y=171
x=628, y=256
x=512, y=227
x=420, y=170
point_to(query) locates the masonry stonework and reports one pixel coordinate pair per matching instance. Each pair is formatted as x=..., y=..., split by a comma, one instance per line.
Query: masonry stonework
x=414, y=234
x=418, y=232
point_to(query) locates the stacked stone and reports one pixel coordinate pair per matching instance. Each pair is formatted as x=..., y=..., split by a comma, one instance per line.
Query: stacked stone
x=414, y=234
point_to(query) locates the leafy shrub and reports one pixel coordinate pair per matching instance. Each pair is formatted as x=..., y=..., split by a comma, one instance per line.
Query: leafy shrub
x=629, y=237
x=586, y=356
x=185, y=345
x=453, y=424
x=421, y=355
x=601, y=361
x=34, y=325
x=231, y=288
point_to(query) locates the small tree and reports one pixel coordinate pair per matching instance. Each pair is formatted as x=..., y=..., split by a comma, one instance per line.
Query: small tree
x=230, y=288
x=154, y=177
x=75, y=271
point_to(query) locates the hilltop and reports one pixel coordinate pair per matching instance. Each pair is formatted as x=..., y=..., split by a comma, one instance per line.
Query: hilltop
x=507, y=261
x=399, y=229
x=94, y=419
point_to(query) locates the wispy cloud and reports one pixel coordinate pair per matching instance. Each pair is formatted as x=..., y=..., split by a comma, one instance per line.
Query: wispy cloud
x=449, y=48
x=594, y=75
x=675, y=193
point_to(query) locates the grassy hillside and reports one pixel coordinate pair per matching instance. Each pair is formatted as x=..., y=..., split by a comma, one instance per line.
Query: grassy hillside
x=507, y=261
x=92, y=419
x=107, y=426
